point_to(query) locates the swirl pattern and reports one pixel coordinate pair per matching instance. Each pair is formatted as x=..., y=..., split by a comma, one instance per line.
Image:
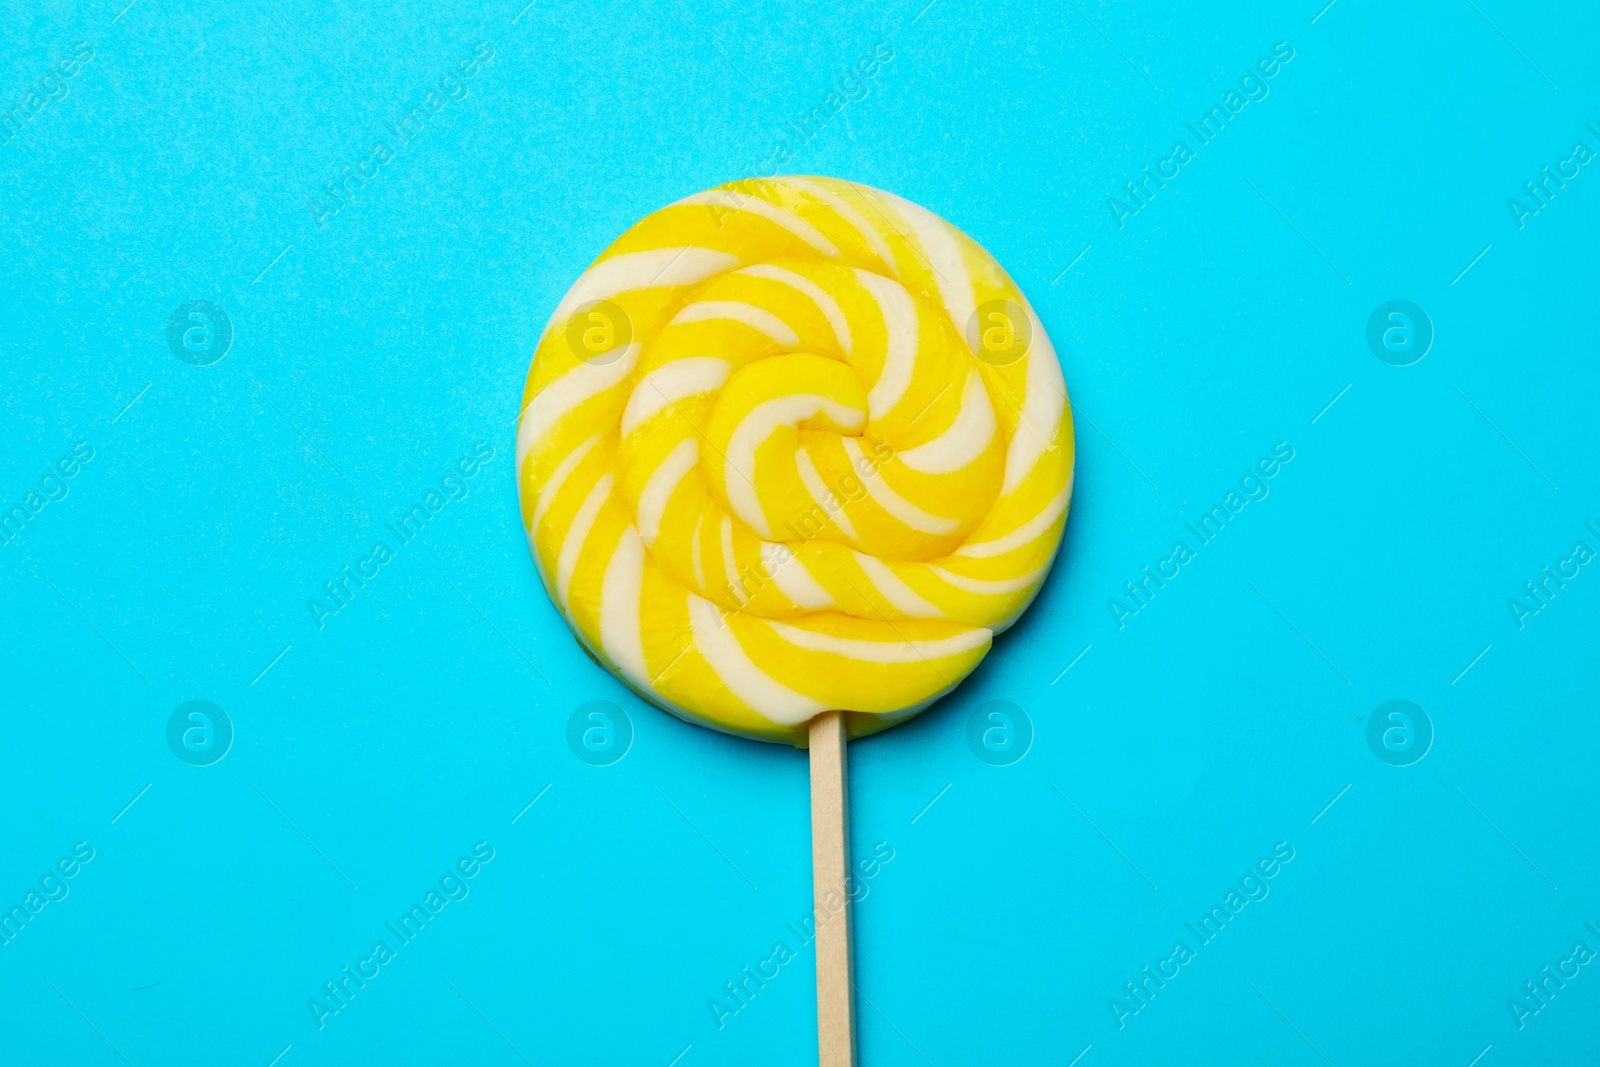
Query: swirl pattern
x=792, y=446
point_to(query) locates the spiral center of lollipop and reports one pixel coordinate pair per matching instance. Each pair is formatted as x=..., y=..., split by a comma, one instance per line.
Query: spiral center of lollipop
x=849, y=413
x=763, y=428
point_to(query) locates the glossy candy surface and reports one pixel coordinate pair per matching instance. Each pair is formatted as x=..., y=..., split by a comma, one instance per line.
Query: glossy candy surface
x=790, y=446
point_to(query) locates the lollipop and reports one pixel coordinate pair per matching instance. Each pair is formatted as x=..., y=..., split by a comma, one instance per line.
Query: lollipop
x=791, y=453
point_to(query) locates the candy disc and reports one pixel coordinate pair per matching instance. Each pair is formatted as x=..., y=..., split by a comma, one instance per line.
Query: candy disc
x=790, y=446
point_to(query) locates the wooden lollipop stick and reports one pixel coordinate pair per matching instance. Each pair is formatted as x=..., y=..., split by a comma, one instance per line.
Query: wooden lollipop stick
x=830, y=864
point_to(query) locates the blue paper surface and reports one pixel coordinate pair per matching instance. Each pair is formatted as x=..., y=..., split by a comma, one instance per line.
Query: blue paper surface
x=365, y=322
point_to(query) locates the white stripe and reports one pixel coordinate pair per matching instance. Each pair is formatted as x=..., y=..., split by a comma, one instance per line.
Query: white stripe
x=903, y=598
x=903, y=332
x=964, y=440
x=640, y=270
x=879, y=246
x=577, y=534
x=826, y=304
x=658, y=489
x=670, y=383
x=759, y=319
x=1042, y=408
x=983, y=587
x=558, y=478
x=714, y=639
x=832, y=506
x=753, y=430
x=620, y=592
x=938, y=240
x=771, y=212
x=1027, y=533
x=892, y=502
x=793, y=579
x=559, y=397
x=882, y=651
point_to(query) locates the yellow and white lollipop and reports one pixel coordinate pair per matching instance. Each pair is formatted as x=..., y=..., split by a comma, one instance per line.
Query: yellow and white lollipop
x=791, y=453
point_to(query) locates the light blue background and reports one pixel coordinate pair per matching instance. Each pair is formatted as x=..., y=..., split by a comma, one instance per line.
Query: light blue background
x=371, y=353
